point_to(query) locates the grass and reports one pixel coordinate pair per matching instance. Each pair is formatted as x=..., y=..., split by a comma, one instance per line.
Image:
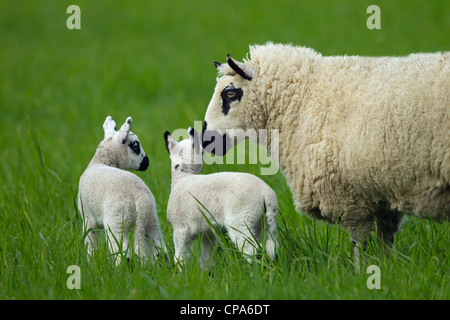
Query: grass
x=152, y=60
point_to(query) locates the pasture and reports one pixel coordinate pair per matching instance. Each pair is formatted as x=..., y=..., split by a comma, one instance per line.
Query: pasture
x=152, y=60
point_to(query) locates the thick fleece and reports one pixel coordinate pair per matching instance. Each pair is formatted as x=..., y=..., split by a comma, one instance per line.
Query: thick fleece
x=360, y=137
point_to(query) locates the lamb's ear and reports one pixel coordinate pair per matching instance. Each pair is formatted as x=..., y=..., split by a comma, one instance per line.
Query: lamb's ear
x=122, y=134
x=195, y=142
x=170, y=143
x=242, y=69
x=216, y=64
x=109, y=126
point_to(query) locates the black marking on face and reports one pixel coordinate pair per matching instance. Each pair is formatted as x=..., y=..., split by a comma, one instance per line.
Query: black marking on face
x=177, y=166
x=135, y=146
x=144, y=164
x=230, y=94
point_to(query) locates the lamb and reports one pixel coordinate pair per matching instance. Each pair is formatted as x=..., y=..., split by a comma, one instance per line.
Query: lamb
x=235, y=201
x=113, y=199
x=360, y=138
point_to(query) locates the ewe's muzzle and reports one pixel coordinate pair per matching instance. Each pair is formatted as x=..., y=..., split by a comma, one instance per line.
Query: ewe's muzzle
x=214, y=142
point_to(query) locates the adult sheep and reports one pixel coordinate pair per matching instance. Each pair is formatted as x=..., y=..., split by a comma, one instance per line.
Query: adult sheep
x=360, y=138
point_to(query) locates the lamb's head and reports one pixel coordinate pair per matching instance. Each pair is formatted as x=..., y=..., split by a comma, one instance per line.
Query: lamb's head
x=122, y=148
x=232, y=106
x=186, y=155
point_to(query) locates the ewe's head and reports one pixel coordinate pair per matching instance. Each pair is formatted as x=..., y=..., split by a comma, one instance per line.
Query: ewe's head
x=122, y=148
x=231, y=106
x=186, y=155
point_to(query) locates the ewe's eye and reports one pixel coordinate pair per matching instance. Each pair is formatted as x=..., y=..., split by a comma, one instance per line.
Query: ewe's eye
x=231, y=94
x=135, y=147
x=228, y=95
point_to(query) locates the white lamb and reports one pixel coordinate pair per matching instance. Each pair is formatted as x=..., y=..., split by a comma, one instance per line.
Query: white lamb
x=235, y=201
x=116, y=200
x=360, y=138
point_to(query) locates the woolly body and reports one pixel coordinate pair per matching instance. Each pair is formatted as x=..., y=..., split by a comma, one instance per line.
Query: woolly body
x=360, y=137
x=235, y=201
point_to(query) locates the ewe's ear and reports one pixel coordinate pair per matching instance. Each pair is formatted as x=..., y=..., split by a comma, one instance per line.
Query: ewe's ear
x=109, y=126
x=242, y=69
x=216, y=64
x=170, y=143
x=122, y=134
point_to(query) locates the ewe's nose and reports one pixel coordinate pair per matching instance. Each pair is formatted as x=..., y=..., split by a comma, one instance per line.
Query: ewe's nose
x=144, y=164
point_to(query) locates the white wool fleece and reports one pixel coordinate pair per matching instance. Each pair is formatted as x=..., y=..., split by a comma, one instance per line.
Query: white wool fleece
x=361, y=138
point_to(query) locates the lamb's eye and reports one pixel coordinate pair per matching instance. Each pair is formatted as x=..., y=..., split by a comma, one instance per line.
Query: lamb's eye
x=231, y=93
x=135, y=147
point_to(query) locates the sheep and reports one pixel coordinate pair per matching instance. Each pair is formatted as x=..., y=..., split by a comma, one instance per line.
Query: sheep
x=234, y=202
x=113, y=199
x=361, y=139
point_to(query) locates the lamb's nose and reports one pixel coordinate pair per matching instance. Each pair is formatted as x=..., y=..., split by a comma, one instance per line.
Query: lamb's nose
x=144, y=164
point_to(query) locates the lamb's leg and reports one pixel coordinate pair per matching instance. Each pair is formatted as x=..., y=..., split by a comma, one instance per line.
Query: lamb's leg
x=271, y=232
x=91, y=241
x=181, y=240
x=91, y=235
x=142, y=248
x=241, y=236
x=388, y=223
x=208, y=245
x=117, y=238
x=155, y=237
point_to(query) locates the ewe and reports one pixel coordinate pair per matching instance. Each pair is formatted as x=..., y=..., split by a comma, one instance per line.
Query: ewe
x=235, y=201
x=116, y=200
x=361, y=139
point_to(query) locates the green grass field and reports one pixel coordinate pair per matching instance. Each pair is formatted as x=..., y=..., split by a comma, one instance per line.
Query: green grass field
x=152, y=60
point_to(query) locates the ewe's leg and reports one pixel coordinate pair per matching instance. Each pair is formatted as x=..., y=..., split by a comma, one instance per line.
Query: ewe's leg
x=359, y=233
x=388, y=223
